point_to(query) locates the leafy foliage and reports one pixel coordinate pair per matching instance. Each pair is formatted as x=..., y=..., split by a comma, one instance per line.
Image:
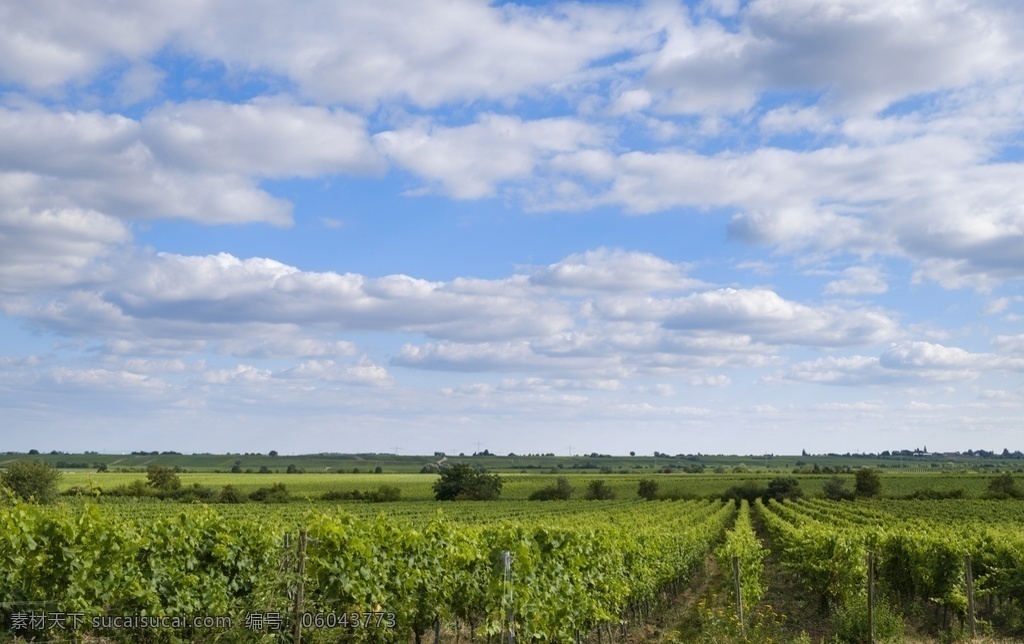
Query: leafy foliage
x=647, y=489
x=835, y=489
x=383, y=494
x=276, y=493
x=748, y=491
x=559, y=491
x=463, y=482
x=1004, y=487
x=867, y=483
x=163, y=478
x=31, y=481
x=598, y=490
x=783, y=487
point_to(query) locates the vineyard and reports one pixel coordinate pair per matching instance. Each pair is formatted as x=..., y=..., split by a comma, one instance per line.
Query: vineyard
x=567, y=570
x=564, y=571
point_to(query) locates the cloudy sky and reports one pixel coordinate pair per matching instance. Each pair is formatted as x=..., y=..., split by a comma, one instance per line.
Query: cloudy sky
x=714, y=226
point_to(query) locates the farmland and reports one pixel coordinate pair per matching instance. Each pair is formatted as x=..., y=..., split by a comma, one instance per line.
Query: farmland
x=576, y=569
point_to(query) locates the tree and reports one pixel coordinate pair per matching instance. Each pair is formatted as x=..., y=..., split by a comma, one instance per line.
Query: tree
x=463, y=482
x=560, y=490
x=35, y=481
x=784, y=487
x=598, y=490
x=1004, y=487
x=163, y=478
x=273, y=452
x=835, y=489
x=230, y=495
x=102, y=467
x=648, y=489
x=867, y=482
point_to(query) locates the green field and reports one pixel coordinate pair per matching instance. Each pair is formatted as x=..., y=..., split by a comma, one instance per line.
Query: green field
x=418, y=487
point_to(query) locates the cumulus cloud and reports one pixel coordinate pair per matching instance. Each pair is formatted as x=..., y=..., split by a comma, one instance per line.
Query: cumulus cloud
x=269, y=137
x=614, y=270
x=436, y=53
x=52, y=248
x=363, y=372
x=105, y=379
x=762, y=314
x=858, y=280
x=240, y=374
x=469, y=161
x=902, y=362
x=809, y=45
x=47, y=43
x=196, y=160
x=604, y=314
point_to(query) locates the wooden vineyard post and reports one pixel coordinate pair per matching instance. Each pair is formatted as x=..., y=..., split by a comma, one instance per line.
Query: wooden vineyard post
x=299, y=589
x=969, y=575
x=509, y=598
x=871, y=597
x=739, y=590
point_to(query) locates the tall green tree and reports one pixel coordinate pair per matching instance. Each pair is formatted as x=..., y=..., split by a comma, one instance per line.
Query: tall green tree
x=463, y=482
x=867, y=483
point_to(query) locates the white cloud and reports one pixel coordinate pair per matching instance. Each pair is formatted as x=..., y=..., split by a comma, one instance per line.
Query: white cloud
x=613, y=270
x=810, y=45
x=427, y=52
x=46, y=43
x=858, y=280
x=105, y=379
x=363, y=372
x=290, y=343
x=1013, y=344
x=719, y=380
x=902, y=362
x=139, y=82
x=241, y=374
x=269, y=137
x=468, y=162
x=98, y=162
x=660, y=389
x=51, y=248
x=769, y=318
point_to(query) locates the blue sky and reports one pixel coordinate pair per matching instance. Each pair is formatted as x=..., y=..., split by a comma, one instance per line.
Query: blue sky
x=717, y=226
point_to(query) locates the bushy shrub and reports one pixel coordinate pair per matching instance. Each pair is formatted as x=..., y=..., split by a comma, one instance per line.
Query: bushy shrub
x=560, y=490
x=190, y=494
x=867, y=483
x=163, y=478
x=383, y=494
x=598, y=490
x=835, y=489
x=135, y=488
x=31, y=481
x=1004, y=487
x=276, y=493
x=229, y=494
x=648, y=489
x=783, y=487
x=748, y=491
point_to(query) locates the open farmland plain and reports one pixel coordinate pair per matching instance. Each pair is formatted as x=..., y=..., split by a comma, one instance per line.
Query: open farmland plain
x=618, y=569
